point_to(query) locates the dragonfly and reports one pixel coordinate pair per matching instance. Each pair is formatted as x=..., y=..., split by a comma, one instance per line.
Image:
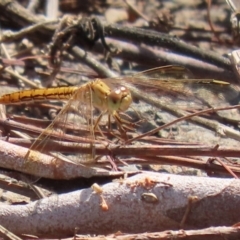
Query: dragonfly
x=112, y=97
x=96, y=94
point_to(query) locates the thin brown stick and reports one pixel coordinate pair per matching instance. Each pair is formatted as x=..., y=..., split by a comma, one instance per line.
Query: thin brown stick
x=225, y=166
x=209, y=2
x=226, y=129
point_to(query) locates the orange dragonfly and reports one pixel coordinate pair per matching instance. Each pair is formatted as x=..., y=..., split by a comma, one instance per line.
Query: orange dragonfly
x=112, y=97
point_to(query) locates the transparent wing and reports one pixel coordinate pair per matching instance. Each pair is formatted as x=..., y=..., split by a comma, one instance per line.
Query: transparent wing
x=72, y=126
x=160, y=87
x=172, y=86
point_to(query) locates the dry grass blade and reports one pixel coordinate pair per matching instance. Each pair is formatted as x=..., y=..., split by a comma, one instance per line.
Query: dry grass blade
x=7, y=234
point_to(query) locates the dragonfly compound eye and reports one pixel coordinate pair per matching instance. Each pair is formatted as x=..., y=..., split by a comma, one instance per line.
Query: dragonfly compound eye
x=119, y=99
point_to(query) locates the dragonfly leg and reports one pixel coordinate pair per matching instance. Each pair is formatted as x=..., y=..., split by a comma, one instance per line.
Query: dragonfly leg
x=126, y=125
x=96, y=125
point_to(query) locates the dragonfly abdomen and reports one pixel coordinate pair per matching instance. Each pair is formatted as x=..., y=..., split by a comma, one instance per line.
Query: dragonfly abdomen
x=38, y=95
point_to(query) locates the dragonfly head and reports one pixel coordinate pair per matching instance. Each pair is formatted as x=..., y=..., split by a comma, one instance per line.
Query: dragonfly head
x=119, y=99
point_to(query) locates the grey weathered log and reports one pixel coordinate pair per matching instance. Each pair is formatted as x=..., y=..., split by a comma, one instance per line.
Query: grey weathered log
x=217, y=205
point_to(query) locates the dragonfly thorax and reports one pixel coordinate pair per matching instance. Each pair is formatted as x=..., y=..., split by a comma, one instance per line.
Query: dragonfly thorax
x=119, y=99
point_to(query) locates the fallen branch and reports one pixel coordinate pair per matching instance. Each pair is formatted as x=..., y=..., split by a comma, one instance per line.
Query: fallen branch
x=38, y=164
x=148, y=202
